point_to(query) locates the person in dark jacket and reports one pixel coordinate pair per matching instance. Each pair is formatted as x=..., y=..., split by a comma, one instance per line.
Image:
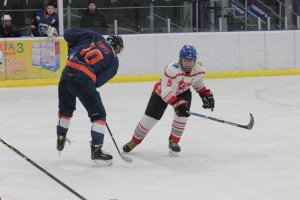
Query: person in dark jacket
x=45, y=21
x=7, y=29
x=93, y=19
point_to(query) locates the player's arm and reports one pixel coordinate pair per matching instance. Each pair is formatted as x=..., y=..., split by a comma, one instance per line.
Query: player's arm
x=52, y=28
x=76, y=35
x=168, y=85
x=16, y=31
x=205, y=94
x=55, y=24
x=107, y=74
x=199, y=83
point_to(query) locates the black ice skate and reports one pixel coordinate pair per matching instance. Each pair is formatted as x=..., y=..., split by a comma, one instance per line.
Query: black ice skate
x=129, y=146
x=99, y=157
x=61, y=141
x=174, y=148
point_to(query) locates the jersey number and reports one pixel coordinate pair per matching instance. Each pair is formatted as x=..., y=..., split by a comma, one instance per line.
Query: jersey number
x=91, y=56
x=169, y=83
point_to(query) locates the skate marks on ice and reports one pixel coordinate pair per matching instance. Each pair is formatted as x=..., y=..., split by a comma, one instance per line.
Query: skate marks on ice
x=102, y=163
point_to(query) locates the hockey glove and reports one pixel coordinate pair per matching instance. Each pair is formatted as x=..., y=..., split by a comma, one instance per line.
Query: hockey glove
x=207, y=99
x=181, y=107
x=52, y=33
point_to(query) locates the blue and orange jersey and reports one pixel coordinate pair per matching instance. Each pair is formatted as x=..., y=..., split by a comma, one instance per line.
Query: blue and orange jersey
x=41, y=21
x=90, y=53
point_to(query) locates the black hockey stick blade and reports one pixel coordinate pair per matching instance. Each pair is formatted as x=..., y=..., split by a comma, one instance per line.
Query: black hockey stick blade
x=249, y=126
x=251, y=123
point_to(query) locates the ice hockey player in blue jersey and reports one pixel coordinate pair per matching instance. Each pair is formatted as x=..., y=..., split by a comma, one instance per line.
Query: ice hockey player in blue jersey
x=45, y=21
x=92, y=61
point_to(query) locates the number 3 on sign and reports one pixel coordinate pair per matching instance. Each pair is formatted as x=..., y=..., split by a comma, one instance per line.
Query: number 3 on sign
x=20, y=49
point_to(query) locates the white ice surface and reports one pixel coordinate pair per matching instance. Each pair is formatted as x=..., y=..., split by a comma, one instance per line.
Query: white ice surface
x=217, y=162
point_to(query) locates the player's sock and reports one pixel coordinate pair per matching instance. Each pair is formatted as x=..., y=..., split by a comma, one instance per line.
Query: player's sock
x=143, y=128
x=62, y=130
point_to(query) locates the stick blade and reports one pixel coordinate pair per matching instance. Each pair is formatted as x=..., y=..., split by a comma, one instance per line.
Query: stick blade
x=127, y=159
x=251, y=123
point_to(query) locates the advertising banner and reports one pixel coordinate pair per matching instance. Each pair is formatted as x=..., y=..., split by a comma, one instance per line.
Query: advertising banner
x=239, y=9
x=31, y=59
x=258, y=9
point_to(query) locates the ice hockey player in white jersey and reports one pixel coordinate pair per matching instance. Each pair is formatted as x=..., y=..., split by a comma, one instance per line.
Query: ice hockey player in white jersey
x=174, y=89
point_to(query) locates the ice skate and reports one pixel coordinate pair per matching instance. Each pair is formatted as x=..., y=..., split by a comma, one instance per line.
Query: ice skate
x=99, y=157
x=129, y=146
x=60, y=143
x=174, y=148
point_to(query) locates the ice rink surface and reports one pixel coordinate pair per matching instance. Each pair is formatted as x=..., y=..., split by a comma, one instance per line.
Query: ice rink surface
x=217, y=162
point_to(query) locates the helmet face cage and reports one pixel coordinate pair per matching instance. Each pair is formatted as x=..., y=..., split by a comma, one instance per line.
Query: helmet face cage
x=116, y=42
x=187, y=58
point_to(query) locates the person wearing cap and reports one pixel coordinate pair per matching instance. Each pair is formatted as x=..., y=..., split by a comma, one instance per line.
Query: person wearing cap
x=7, y=29
x=93, y=19
x=45, y=21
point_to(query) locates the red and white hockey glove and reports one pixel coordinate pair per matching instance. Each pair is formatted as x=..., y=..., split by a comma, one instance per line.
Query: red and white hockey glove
x=181, y=107
x=207, y=99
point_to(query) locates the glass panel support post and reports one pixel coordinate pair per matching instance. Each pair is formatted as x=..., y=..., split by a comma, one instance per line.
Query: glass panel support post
x=116, y=26
x=285, y=23
x=258, y=24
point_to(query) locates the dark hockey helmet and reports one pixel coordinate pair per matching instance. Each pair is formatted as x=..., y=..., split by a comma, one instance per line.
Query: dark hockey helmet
x=116, y=42
x=187, y=58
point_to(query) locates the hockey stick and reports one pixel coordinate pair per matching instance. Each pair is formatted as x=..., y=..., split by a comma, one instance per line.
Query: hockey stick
x=249, y=126
x=42, y=169
x=127, y=159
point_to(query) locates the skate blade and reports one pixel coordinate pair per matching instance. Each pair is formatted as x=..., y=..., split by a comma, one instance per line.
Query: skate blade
x=173, y=153
x=102, y=163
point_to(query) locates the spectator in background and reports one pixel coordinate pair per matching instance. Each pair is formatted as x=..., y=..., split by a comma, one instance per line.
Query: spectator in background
x=44, y=20
x=7, y=29
x=93, y=19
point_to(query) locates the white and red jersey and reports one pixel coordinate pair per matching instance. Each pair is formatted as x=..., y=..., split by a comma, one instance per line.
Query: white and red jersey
x=174, y=81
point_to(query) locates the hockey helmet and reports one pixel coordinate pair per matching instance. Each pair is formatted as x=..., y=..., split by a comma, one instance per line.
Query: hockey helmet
x=116, y=42
x=187, y=58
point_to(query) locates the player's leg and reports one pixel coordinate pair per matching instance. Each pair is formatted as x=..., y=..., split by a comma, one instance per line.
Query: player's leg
x=178, y=125
x=66, y=104
x=154, y=111
x=92, y=102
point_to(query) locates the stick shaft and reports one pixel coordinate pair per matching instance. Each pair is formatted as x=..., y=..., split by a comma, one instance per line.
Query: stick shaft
x=249, y=126
x=41, y=169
